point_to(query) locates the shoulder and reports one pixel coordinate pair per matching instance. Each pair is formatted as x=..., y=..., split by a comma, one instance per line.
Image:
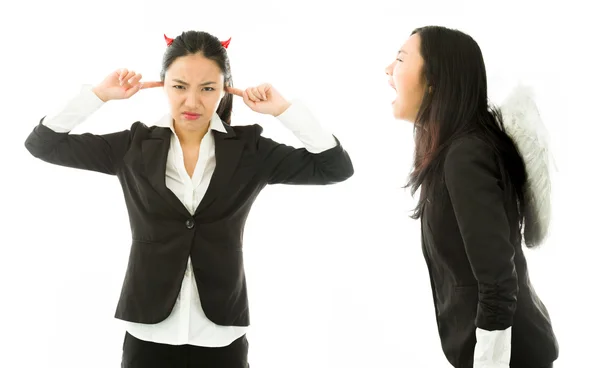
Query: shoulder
x=250, y=134
x=247, y=130
x=139, y=127
x=470, y=153
x=470, y=147
x=467, y=145
x=141, y=130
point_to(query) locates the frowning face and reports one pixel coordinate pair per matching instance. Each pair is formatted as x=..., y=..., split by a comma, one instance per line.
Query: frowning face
x=194, y=86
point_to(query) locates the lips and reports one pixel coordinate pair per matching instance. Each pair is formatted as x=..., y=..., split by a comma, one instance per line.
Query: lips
x=190, y=115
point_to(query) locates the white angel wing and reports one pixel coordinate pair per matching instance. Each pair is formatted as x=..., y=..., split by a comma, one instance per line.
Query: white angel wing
x=524, y=125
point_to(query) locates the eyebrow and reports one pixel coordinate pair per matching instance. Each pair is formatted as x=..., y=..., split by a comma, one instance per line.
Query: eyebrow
x=402, y=51
x=187, y=84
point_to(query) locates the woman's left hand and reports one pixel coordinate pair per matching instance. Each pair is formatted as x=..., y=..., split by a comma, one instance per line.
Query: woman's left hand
x=263, y=99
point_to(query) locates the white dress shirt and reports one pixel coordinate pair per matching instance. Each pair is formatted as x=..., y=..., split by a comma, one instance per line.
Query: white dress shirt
x=187, y=323
x=492, y=349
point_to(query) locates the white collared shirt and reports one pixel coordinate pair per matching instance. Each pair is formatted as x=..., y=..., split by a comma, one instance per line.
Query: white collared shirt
x=187, y=323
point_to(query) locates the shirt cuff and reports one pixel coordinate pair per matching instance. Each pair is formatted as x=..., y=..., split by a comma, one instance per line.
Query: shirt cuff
x=74, y=112
x=492, y=348
x=300, y=120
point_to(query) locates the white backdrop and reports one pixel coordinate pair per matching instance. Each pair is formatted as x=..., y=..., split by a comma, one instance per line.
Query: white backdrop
x=336, y=275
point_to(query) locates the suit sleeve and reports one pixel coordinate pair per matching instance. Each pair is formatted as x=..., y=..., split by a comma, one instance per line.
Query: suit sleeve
x=51, y=142
x=322, y=161
x=474, y=184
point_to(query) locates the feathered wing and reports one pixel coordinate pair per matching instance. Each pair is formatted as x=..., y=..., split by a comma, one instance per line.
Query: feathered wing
x=524, y=125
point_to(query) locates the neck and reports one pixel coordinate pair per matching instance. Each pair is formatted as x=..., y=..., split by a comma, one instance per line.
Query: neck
x=189, y=137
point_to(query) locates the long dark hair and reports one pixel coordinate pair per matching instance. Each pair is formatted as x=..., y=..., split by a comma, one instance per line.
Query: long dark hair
x=192, y=42
x=456, y=104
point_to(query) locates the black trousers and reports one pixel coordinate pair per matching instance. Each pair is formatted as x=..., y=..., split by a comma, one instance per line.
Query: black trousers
x=144, y=354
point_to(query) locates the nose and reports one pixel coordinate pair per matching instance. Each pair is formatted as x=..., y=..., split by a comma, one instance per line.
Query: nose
x=388, y=69
x=191, y=99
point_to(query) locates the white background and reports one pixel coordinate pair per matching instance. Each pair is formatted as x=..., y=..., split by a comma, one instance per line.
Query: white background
x=336, y=275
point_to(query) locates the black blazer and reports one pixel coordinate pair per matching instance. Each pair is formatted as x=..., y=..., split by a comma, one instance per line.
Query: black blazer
x=472, y=245
x=164, y=234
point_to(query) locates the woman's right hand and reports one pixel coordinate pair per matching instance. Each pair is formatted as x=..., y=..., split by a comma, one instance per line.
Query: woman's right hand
x=122, y=84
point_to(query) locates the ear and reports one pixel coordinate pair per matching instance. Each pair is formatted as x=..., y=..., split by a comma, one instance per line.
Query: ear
x=225, y=85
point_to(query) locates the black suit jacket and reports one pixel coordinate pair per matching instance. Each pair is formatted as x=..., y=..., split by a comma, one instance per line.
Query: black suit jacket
x=472, y=245
x=164, y=234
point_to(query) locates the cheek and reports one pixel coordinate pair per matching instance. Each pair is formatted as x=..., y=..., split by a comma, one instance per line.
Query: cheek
x=212, y=99
x=409, y=87
x=173, y=96
x=409, y=95
x=402, y=85
x=402, y=79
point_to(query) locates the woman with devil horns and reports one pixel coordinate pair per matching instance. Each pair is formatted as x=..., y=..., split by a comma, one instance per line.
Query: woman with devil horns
x=189, y=182
x=482, y=175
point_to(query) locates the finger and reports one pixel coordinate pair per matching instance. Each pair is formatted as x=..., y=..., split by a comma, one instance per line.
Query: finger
x=127, y=78
x=153, y=84
x=135, y=79
x=257, y=94
x=122, y=73
x=253, y=97
x=248, y=95
x=234, y=91
x=268, y=90
x=263, y=93
x=133, y=90
x=130, y=75
x=247, y=100
x=123, y=76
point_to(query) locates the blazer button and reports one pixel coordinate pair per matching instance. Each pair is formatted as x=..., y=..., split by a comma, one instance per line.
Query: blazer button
x=189, y=224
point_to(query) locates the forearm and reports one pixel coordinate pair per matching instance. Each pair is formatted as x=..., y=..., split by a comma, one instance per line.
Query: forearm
x=79, y=108
x=305, y=126
x=51, y=142
x=474, y=183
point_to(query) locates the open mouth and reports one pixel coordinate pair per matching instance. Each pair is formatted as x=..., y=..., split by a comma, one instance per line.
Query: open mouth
x=395, y=91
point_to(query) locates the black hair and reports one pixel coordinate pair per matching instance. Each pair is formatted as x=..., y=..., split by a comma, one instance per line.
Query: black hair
x=455, y=104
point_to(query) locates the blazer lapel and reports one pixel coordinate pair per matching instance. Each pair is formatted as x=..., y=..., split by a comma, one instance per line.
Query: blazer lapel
x=155, y=152
x=228, y=151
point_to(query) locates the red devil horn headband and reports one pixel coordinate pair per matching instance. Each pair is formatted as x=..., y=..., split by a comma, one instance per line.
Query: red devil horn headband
x=224, y=43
